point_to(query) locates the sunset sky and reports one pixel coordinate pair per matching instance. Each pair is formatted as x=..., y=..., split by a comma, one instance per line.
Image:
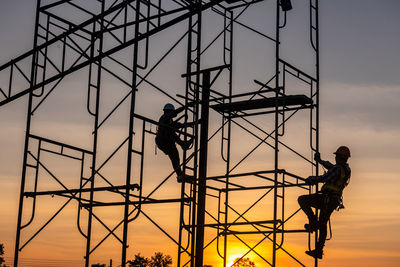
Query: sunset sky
x=360, y=107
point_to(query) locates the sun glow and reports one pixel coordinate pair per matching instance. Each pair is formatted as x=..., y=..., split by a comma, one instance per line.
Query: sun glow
x=232, y=258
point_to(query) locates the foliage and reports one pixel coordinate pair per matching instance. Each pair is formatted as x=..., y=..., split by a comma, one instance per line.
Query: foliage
x=139, y=261
x=243, y=262
x=1, y=254
x=158, y=260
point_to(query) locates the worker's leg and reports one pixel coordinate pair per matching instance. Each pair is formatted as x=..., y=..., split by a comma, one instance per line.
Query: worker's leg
x=306, y=202
x=173, y=155
x=169, y=149
x=330, y=205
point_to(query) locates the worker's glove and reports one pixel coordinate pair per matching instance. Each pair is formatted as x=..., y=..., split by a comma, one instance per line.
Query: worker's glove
x=317, y=157
x=311, y=180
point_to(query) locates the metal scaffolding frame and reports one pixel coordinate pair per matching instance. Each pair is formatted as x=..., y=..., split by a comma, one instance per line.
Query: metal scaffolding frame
x=107, y=27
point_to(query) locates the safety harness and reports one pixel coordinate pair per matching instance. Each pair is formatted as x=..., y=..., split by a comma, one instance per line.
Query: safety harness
x=336, y=186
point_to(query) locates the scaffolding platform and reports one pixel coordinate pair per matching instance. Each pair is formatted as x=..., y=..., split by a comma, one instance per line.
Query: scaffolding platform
x=270, y=102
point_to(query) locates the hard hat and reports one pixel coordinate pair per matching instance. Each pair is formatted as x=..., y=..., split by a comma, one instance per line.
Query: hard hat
x=343, y=151
x=169, y=106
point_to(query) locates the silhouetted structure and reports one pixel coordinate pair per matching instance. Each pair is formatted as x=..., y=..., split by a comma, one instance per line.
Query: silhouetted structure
x=113, y=40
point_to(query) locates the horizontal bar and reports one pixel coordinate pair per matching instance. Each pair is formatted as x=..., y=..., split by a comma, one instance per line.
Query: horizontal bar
x=279, y=171
x=31, y=166
x=298, y=70
x=60, y=144
x=245, y=4
x=57, y=192
x=270, y=88
x=243, y=223
x=246, y=174
x=263, y=232
x=205, y=70
x=294, y=176
x=137, y=152
x=42, y=8
x=280, y=185
x=60, y=154
x=271, y=111
x=154, y=201
x=247, y=94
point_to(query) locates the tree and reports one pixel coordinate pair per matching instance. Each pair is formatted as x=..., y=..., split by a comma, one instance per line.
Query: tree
x=1, y=254
x=243, y=262
x=139, y=261
x=160, y=260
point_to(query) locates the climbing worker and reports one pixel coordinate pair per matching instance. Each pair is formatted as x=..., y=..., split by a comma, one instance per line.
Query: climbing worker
x=167, y=137
x=328, y=199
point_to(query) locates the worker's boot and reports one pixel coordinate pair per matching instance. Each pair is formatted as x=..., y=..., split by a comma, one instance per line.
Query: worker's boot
x=316, y=253
x=312, y=226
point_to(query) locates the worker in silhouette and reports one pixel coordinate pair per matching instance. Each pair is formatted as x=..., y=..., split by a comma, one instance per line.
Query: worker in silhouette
x=167, y=137
x=328, y=199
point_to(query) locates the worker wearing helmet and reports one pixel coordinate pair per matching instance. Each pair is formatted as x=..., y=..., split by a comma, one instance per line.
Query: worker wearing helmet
x=167, y=137
x=328, y=199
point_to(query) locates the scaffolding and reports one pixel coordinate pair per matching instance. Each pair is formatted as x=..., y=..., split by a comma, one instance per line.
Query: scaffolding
x=112, y=44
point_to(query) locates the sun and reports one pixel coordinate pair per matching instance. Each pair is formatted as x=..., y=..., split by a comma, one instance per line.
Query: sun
x=232, y=258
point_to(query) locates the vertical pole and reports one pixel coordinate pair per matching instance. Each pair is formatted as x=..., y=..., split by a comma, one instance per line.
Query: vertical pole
x=95, y=131
x=274, y=247
x=228, y=152
x=317, y=96
x=130, y=139
x=197, y=5
x=27, y=133
x=201, y=200
x=187, y=89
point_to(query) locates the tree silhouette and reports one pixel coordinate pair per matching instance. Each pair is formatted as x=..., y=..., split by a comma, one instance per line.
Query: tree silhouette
x=1, y=254
x=243, y=262
x=160, y=260
x=139, y=261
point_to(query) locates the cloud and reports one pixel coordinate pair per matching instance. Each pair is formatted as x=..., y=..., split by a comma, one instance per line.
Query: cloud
x=357, y=45
x=374, y=107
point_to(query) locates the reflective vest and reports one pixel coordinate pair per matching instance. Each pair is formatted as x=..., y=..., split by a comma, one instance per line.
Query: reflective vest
x=337, y=185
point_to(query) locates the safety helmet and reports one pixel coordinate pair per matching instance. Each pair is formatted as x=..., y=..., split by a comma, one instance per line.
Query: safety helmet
x=343, y=151
x=169, y=106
